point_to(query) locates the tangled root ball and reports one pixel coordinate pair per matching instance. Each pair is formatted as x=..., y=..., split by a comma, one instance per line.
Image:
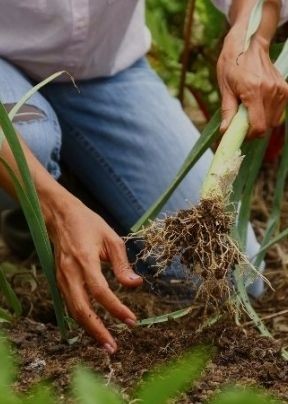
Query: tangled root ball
x=200, y=238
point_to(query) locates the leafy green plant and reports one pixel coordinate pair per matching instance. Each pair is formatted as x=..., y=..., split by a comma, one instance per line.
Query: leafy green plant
x=166, y=20
x=159, y=387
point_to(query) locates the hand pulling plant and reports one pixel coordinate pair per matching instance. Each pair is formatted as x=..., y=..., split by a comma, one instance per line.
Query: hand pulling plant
x=200, y=237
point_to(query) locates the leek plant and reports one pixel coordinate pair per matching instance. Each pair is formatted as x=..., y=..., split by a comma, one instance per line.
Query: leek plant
x=208, y=239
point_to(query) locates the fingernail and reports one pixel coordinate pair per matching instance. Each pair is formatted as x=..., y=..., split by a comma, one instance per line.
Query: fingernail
x=130, y=322
x=109, y=348
x=133, y=277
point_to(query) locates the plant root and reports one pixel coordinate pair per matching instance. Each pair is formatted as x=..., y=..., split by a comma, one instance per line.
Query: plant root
x=200, y=238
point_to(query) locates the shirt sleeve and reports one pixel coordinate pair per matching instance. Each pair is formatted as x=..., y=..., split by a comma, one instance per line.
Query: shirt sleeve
x=224, y=6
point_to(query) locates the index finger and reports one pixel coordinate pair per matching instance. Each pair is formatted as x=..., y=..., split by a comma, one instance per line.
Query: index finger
x=100, y=290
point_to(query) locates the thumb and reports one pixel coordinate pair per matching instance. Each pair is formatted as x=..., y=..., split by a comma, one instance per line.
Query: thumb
x=229, y=108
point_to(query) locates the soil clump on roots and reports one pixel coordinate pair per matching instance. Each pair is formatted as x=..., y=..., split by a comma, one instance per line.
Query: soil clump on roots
x=200, y=239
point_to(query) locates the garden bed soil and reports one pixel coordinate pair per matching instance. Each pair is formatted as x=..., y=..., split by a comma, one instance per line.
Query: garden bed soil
x=242, y=356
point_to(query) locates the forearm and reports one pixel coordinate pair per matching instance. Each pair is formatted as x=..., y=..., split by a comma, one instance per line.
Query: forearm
x=240, y=13
x=51, y=194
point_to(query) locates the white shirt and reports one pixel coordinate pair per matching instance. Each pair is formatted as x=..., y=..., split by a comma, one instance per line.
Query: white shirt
x=89, y=38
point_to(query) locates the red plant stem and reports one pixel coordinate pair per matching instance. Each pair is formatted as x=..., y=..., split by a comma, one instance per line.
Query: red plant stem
x=187, y=39
x=200, y=102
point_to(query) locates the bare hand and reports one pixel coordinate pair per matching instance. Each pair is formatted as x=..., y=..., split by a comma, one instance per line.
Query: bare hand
x=81, y=241
x=252, y=79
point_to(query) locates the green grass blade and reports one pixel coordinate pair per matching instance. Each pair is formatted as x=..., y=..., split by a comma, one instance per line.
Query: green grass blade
x=253, y=161
x=244, y=300
x=41, y=394
x=31, y=92
x=9, y=294
x=237, y=396
x=275, y=215
x=240, y=233
x=18, y=153
x=31, y=207
x=90, y=389
x=42, y=245
x=8, y=368
x=281, y=63
x=281, y=236
x=275, y=50
x=240, y=181
x=165, y=317
x=204, y=142
x=168, y=381
x=5, y=316
x=7, y=374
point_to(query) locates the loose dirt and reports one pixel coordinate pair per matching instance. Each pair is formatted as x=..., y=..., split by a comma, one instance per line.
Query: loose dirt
x=242, y=356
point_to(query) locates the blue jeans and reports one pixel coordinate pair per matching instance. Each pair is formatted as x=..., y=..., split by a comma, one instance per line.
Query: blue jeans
x=124, y=137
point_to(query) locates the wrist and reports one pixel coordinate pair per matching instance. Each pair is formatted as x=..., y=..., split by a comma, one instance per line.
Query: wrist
x=55, y=201
x=240, y=13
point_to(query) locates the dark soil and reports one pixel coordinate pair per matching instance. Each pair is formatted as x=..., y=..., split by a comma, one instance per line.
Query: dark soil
x=242, y=357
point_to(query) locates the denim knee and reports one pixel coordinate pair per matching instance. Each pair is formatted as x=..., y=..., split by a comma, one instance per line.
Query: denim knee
x=36, y=121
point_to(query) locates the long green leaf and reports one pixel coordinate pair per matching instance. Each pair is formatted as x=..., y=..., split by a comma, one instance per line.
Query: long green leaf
x=5, y=316
x=204, y=142
x=9, y=294
x=237, y=396
x=89, y=389
x=240, y=181
x=172, y=379
x=253, y=161
x=281, y=236
x=275, y=50
x=41, y=394
x=281, y=63
x=42, y=246
x=7, y=374
x=245, y=184
x=165, y=317
x=8, y=368
x=14, y=143
x=275, y=214
x=27, y=194
x=32, y=91
x=31, y=206
x=245, y=302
